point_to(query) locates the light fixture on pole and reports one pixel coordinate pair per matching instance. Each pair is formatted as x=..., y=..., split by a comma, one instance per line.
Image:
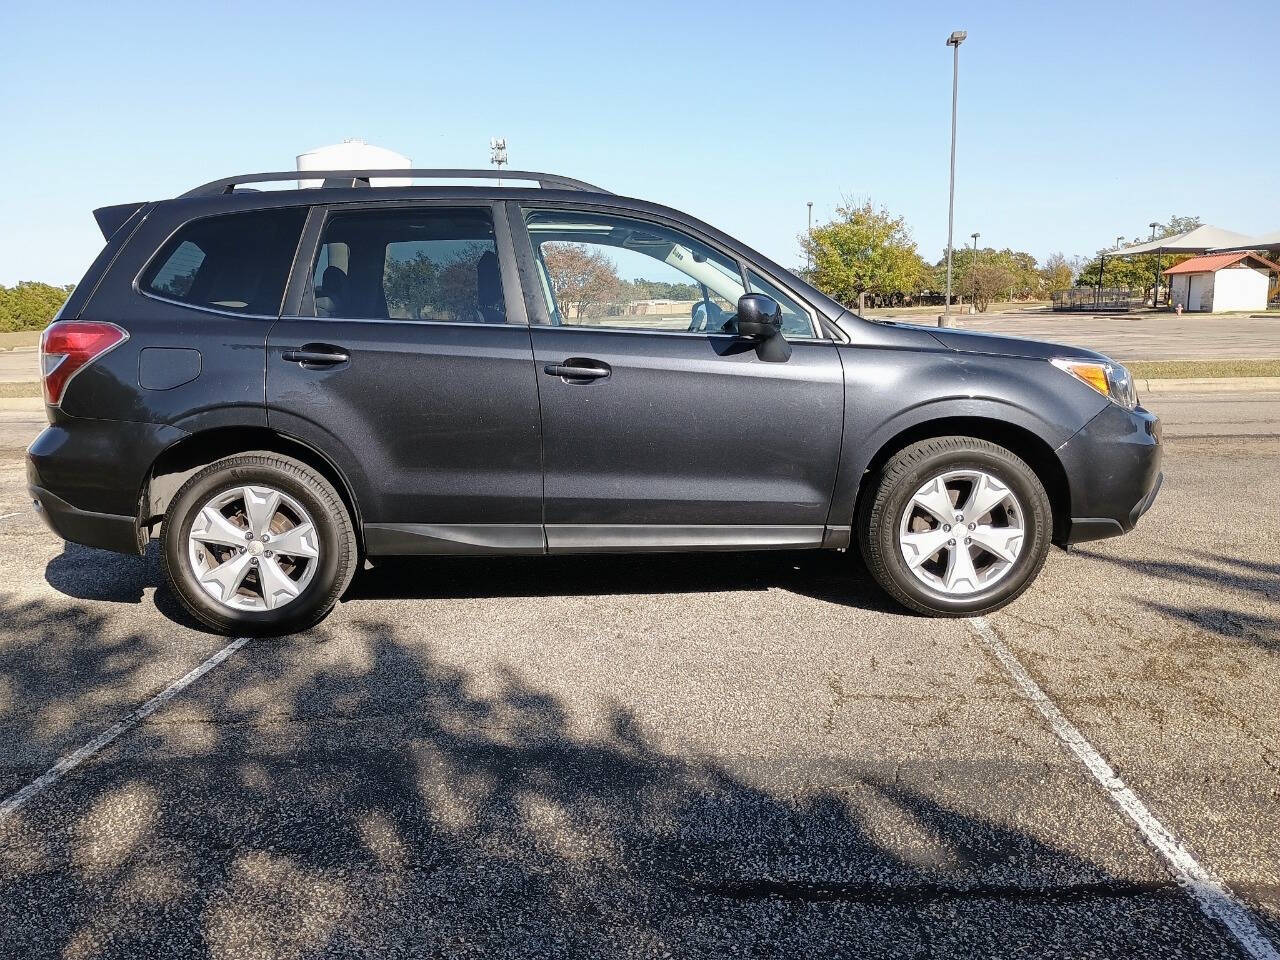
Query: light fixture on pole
x=954, y=41
x=498, y=154
x=973, y=268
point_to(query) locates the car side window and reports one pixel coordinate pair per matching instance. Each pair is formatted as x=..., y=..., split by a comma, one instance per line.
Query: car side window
x=237, y=262
x=796, y=321
x=601, y=270
x=436, y=265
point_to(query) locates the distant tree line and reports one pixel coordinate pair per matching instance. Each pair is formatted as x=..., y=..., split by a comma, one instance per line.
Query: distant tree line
x=866, y=250
x=30, y=305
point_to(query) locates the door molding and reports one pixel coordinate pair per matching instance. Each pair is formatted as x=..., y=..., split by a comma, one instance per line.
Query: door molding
x=453, y=539
x=491, y=539
x=639, y=537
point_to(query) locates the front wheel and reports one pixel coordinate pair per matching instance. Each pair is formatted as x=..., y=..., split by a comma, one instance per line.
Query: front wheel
x=258, y=543
x=955, y=526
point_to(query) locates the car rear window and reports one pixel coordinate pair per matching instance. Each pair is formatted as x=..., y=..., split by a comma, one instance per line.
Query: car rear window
x=434, y=264
x=237, y=262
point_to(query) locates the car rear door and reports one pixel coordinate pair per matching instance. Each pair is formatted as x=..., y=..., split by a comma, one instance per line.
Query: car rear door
x=405, y=357
x=661, y=431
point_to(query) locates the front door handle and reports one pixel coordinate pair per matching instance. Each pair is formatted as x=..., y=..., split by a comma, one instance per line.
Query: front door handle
x=578, y=370
x=316, y=355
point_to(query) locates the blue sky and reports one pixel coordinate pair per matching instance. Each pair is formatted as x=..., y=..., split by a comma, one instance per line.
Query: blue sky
x=1078, y=122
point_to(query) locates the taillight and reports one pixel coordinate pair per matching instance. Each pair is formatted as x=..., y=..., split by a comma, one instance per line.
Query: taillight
x=68, y=346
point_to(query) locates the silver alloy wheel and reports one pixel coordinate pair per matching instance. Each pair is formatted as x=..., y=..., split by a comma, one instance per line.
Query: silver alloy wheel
x=962, y=532
x=253, y=548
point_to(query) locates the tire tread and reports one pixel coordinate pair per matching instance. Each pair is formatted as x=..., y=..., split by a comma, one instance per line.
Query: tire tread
x=348, y=558
x=872, y=513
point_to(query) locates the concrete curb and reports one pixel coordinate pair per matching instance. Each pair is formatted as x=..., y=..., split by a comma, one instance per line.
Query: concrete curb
x=1209, y=385
x=35, y=404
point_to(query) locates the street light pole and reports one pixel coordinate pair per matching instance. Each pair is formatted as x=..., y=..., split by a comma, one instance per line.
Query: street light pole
x=1102, y=266
x=1155, y=290
x=973, y=269
x=953, y=41
x=1119, y=243
x=809, y=234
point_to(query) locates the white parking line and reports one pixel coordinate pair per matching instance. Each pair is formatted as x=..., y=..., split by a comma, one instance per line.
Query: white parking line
x=8, y=515
x=72, y=760
x=1210, y=893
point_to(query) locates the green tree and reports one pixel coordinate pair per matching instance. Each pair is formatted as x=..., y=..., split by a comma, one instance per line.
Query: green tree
x=864, y=249
x=585, y=280
x=641, y=289
x=411, y=285
x=426, y=287
x=1003, y=274
x=30, y=305
x=1056, y=274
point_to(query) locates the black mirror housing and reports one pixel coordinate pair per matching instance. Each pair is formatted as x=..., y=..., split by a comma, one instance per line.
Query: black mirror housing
x=759, y=317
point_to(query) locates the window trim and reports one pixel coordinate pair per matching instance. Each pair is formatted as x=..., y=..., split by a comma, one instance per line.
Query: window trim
x=299, y=295
x=140, y=289
x=819, y=333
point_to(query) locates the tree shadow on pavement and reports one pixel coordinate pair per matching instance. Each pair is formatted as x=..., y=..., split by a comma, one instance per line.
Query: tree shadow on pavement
x=1254, y=577
x=1257, y=629
x=355, y=795
x=1257, y=579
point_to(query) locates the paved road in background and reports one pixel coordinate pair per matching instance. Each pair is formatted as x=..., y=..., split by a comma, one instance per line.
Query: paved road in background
x=655, y=756
x=19, y=364
x=1163, y=337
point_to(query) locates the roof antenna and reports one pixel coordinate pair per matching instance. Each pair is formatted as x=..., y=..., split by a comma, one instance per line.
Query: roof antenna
x=498, y=154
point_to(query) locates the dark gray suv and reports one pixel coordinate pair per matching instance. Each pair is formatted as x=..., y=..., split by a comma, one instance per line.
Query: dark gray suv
x=280, y=383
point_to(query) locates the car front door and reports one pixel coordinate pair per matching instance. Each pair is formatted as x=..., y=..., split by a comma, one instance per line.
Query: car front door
x=405, y=357
x=660, y=430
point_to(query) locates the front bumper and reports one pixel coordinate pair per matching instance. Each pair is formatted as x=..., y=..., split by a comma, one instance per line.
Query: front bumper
x=1113, y=473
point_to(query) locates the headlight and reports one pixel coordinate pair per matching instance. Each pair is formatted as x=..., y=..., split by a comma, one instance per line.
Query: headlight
x=1110, y=379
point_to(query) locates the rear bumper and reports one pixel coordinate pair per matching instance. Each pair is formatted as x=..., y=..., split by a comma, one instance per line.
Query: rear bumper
x=85, y=477
x=1113, y=471
x=108, y=531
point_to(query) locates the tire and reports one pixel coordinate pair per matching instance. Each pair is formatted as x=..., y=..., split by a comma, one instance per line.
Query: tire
x=306, y=515
x=894, y=521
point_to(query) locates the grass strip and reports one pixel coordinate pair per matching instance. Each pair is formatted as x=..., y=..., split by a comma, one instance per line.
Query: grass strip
x=1175, y=369
x=30, y=388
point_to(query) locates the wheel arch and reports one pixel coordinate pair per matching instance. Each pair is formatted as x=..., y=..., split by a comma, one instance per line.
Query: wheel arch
x=1032, y=449
x=182, y=459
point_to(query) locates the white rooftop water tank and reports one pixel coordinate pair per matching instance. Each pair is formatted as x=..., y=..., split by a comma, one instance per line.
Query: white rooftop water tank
x=355, y=155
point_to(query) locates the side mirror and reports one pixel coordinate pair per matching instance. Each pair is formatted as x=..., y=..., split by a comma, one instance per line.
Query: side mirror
x=759, y=317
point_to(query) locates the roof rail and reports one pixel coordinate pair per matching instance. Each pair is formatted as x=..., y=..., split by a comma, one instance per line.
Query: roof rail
x=361, y=178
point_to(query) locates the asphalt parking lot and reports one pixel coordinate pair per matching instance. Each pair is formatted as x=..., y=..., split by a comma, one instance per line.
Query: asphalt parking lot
x=704, y=755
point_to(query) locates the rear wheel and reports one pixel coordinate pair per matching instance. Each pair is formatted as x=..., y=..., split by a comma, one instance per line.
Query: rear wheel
x=955, y=526
x=259, y=543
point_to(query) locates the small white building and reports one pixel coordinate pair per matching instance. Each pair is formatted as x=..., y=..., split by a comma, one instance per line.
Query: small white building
x=1221, y=282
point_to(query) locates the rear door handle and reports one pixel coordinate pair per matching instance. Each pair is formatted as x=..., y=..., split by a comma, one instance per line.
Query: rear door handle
x=315, y=355
x=578, y=370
